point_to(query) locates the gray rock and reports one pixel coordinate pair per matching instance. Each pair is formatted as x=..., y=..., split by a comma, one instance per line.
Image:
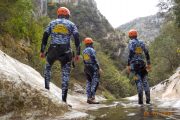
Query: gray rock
x=22, y=94
x=148, y=27
x=40, y=8
x=78, y=89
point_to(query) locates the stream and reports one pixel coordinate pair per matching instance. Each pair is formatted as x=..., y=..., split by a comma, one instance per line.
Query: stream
x=130, y=110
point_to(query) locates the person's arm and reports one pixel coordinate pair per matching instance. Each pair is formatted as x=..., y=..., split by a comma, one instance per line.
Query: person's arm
x=77, y=43
x=76, y=39
x=131, y=53
x=46, y=35
x=44, y=41
x=130, y=57
x=95, y=59
x=97, y=64
x=146, y=52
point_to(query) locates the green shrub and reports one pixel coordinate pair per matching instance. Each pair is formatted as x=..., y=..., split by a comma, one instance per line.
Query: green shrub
x=163, y=52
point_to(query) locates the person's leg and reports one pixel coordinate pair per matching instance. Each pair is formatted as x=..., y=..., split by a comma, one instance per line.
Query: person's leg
x=146, y=89
x=66, y=68
x=65, y=60
x=95, y=83
x=88, y=72
x=139, y=86
x=50, y=58
x=88, y=86
x=98, y=76
x=96, y=87
x=47, y=75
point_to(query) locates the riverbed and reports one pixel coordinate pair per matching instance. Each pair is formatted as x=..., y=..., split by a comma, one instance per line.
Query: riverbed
x=129, y=110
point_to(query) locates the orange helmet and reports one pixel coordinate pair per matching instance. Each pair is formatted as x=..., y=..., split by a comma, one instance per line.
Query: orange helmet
x=63, y=11
x=88, y=41
x=132, y=33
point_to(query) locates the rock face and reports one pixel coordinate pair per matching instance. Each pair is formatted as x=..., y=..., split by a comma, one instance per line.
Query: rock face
x=75, y=2
x=148, y=27
x=118, y=49
x=22, y=91
x=23, y=96
x=168, y=92
x=169, y=88
x=40, y=7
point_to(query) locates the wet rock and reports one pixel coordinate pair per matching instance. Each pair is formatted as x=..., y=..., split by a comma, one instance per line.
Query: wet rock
x=74, y=115
x=178, y=69
x=167, y=92
x=22, y=90
x=23, y=96
x=79, y=89
x=168, y=88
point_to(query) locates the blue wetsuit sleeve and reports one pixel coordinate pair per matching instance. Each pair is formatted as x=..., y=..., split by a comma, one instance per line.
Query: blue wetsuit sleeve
x=146, y=52
x=77, y=43
x=130, y=57
x=48, y=29
x=46, y=35
x=95, y=59
x=44, y=41
x=130, y=46
x=76, y=39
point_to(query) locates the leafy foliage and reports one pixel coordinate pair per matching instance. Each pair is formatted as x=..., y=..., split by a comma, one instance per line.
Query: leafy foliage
x=164, y=54
x=177, y=11
x=22, y=30
x=17, y=18
x=112, y=79
x=164, y=50
x=21, y=35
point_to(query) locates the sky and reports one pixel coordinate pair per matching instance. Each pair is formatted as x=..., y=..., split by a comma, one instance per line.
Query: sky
x=119, y=12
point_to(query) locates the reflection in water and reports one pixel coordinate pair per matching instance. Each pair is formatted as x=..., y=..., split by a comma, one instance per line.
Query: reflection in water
x=130, y=110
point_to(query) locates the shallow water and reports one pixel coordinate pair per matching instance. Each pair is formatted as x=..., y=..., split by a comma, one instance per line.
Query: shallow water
x=130, y=110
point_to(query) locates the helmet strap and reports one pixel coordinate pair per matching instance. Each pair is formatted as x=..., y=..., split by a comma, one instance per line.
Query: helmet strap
x=135, y=37
x=89, y=45
x=63, y=16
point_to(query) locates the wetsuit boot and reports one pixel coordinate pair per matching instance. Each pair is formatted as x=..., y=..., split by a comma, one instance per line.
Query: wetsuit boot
x=147, y=97
x=92, y=101
x=89, y=100
x=140, y=98
x=64, y=97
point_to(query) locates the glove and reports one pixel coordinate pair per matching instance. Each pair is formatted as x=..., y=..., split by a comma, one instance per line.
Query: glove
x=42, y=55
x=128, y=69
x=148, y=68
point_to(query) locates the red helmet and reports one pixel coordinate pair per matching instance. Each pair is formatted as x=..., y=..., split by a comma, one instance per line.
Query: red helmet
x=132, y=33
x=88, y=41
x=63, y=11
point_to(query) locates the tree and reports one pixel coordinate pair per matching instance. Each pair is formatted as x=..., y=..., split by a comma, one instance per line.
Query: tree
x=164, y=55
x=177, y=11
